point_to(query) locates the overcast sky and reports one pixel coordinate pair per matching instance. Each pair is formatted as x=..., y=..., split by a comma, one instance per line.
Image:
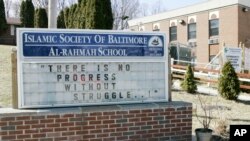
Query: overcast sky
x=172, y=4
x=163, y=5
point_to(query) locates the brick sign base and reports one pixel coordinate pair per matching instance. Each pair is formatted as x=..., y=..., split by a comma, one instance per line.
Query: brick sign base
x=137, y=122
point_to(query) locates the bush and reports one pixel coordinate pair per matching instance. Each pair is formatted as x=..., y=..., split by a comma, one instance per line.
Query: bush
x=41, y=18
x=229, y=85
x=189, y=84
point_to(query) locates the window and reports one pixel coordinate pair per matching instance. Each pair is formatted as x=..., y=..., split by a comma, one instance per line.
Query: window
x=214, y=27
x=156, y=27
x=192, y=31
x=173, y=33
x=141, y=28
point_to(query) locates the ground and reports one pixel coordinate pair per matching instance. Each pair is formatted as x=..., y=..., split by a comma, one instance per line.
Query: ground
x=223, y=112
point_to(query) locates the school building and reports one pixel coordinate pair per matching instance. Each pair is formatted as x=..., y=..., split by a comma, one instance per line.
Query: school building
x=205, y=27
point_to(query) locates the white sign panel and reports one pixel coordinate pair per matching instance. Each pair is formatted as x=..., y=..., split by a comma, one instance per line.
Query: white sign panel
x=92, y=83
x=233, y=55
x=60, y=68
x=247, y=58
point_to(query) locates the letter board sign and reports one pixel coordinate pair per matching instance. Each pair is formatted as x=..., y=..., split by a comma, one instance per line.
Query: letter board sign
x=60, y=68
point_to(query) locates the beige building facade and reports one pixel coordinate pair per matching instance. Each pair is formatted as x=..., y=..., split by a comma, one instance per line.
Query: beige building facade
x=205, y=27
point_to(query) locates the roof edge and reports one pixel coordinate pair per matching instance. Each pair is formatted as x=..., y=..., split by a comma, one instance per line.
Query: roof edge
x=203, y=6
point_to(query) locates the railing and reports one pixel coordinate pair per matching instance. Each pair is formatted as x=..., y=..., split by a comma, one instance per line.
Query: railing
x=207, y=75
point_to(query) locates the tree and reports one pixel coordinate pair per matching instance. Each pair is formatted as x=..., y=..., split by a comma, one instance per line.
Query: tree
x=41, y=3
x=157, y=8
x=60, y=20
x=41, y=18
x=61, y=4
x=91, y=14
x=229, y=85
x=27, y=13
x=189, y=84
x=143, y=10
x=66, y=17
x=81, y=13
x=108, y=17
x=23, y=14
x=124, y=8
x=8, y=4
x=16, y=8
x=72, y=16
x=30, y=11
x=98, y=14
x=71, y=2
x=3, y=22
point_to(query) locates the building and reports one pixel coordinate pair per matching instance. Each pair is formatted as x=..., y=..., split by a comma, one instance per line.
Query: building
x=204, y=26
x=9, y=35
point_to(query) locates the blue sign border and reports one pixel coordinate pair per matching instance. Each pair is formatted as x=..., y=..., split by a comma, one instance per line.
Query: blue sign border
x=89, y=44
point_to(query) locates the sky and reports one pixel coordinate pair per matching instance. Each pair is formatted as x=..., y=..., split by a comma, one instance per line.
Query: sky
x=165, y=5
x=172, y=4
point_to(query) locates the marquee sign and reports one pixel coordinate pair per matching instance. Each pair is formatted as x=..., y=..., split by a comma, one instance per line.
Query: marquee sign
x=81, y=67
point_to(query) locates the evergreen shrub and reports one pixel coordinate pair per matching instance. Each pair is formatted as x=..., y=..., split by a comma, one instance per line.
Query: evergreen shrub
x=3, y=22
x=188, y=84
x=229, y=85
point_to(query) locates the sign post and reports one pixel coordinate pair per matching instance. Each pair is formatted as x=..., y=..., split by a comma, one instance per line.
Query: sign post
x=246, y=58
x=81, y=67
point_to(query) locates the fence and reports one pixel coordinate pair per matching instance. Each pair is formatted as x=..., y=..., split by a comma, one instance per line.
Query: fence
x=207, y=75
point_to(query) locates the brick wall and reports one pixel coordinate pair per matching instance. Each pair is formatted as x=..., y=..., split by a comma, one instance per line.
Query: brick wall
x=137, y=122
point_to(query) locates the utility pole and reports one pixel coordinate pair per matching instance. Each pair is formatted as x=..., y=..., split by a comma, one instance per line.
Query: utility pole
x=123, y=16
x=122, y=26
x=52, y=19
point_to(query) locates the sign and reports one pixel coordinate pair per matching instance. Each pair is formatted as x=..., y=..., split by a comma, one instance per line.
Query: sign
x=81, y=67
x=239, y=132
x=233, y=55
x=247, y=60
x=89, y=44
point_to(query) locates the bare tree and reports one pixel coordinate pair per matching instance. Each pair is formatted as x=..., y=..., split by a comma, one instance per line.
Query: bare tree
x=41, y=3
x=157, y=8
x=71, y=2
x=122, y=11
x=65, y=3
x=143, y=10
x=7, y=5
x=61, y=4
x=16, y=8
